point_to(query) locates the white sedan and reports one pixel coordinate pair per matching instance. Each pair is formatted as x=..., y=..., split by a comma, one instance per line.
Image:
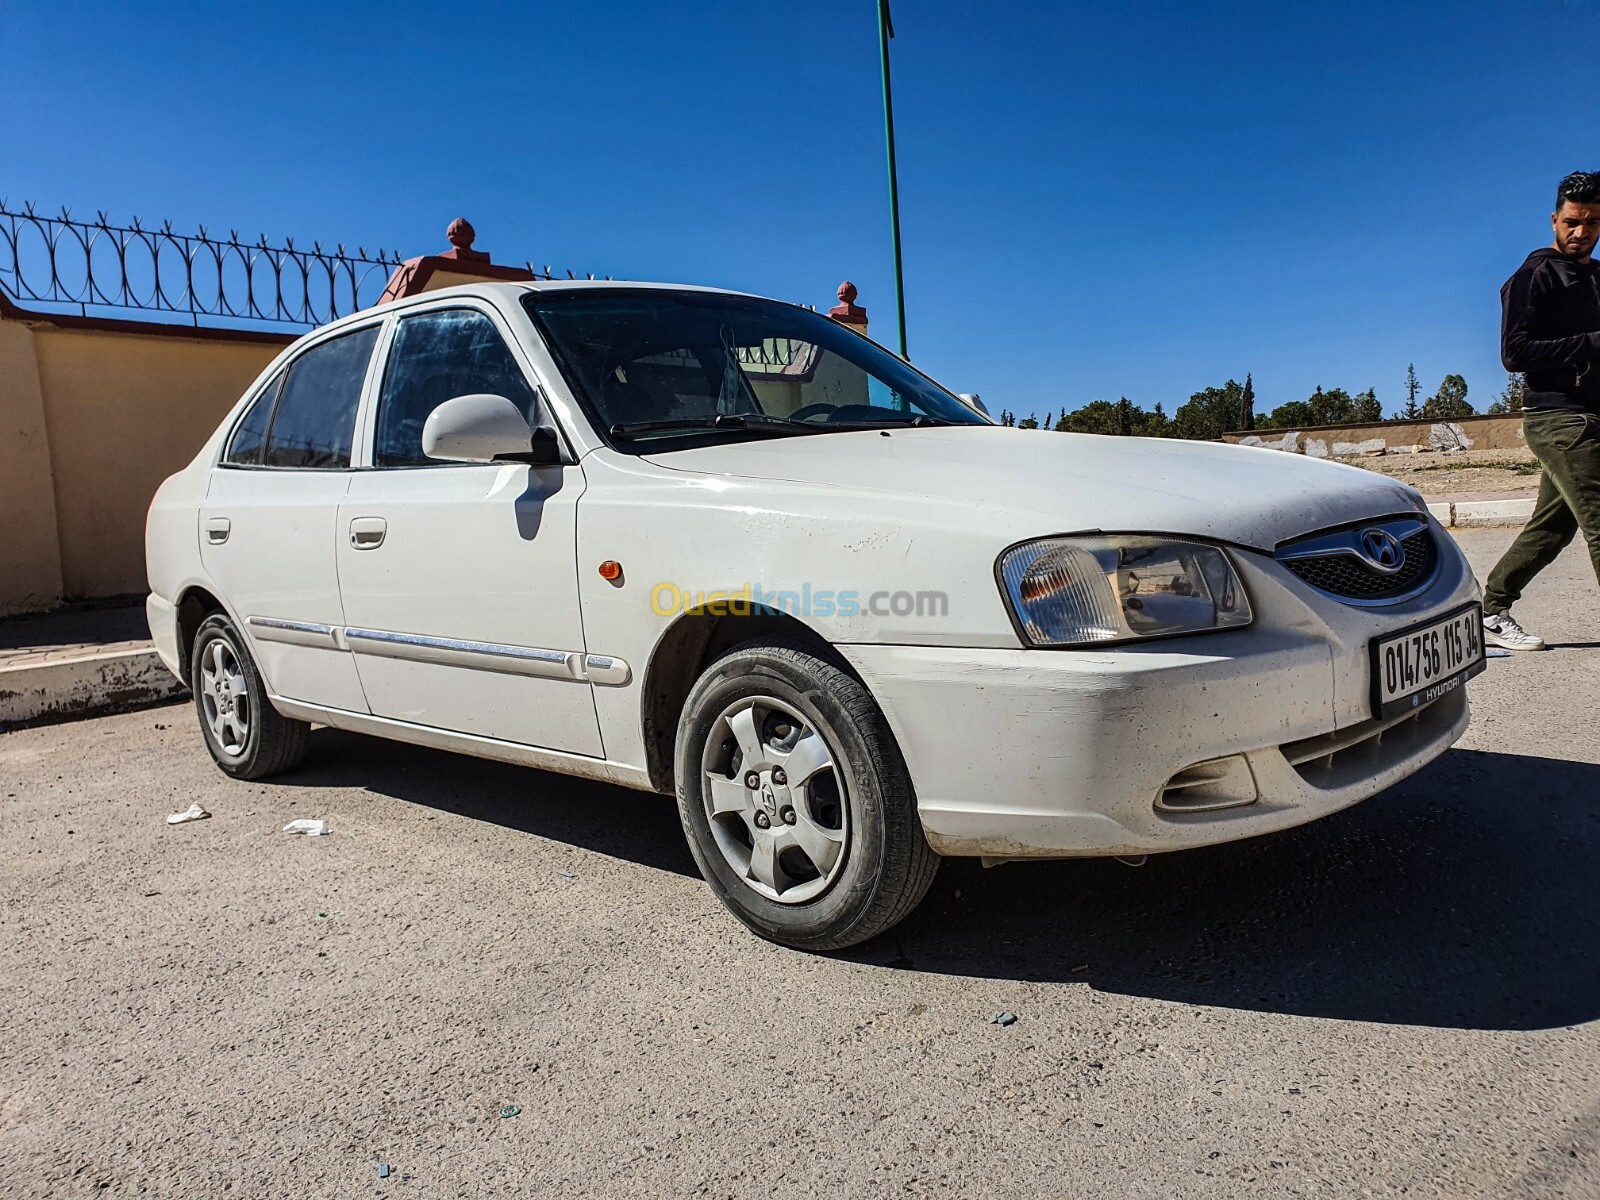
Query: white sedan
x=706, y=544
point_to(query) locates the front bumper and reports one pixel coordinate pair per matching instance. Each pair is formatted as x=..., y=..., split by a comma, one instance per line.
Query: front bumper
x=1064, y=753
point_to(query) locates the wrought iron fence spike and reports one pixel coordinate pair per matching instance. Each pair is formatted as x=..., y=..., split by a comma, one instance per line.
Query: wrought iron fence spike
x=117, y=283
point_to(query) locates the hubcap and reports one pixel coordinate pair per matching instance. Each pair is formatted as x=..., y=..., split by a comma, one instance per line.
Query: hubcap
x=775, y=800
x=224, y=699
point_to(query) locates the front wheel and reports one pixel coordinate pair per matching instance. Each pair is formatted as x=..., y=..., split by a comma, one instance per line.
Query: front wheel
x=796, y=801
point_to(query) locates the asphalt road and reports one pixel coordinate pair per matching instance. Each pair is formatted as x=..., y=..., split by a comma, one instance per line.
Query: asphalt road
x=1399, y=1000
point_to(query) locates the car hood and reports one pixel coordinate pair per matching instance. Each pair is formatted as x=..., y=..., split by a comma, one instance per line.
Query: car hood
x=1075, y=482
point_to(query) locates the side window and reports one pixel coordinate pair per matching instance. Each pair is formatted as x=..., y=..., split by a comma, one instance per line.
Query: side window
x=438, y=356
x=315, y=420
x=250, y=437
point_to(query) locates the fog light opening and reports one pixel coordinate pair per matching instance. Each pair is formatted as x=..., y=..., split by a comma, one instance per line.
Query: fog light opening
x=1210, y=786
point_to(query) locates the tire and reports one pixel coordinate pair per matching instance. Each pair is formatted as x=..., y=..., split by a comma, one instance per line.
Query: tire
x=826, y=851
x=247, y=737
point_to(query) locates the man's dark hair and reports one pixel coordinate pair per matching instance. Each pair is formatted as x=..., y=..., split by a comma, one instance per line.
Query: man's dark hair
x=1581, y=187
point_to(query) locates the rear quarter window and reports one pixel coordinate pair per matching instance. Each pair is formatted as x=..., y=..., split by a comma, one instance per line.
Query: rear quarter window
x=250, y=435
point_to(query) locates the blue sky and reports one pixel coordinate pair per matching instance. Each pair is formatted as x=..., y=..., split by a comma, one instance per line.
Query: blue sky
x=1096, y=199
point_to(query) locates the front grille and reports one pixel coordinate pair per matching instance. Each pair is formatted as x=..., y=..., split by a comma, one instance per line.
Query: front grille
x=1344, y=574
x=1337, y=760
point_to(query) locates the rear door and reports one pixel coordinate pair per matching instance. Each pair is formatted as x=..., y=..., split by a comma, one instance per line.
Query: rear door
x=459, y=580
x=267, y=527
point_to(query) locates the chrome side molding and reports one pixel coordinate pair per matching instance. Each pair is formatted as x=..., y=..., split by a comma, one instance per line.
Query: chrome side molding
x=575, y=665
x=295, y=633
x=474, y=656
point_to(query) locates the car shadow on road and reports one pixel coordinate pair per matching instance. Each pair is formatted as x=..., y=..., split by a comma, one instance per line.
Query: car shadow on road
x=1467, y=897
x=636, y=826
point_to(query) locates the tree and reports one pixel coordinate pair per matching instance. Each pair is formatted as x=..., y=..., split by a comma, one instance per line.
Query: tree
x=1510, y=401
x=1098, y=416
x=1367, y=410
x=1151, y=424
x=1210, y=413
x=1007, y=417
x=1028, y=422
x=1333, y=407
x=1411, y=412
x=1122, y=419
x=1449, y=403
x=1295, y=414
x=1247, y=404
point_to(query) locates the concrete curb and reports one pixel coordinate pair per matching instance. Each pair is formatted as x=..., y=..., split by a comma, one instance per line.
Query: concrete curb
x=1482, y=514
x=87, y=685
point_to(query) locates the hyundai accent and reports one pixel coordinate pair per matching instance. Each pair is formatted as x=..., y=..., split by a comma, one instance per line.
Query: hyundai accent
x=727, y=549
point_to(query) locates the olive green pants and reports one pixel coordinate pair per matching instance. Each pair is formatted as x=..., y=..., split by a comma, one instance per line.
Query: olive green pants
x=1568, y=447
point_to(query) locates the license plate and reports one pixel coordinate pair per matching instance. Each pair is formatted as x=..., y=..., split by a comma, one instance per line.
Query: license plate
x=1418, y=665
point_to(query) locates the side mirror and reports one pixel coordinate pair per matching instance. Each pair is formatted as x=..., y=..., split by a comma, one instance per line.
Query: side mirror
x=486, y=428
x=976, y=401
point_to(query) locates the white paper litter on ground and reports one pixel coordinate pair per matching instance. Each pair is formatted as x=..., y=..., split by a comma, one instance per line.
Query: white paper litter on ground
x=193, y=813
x=308, y=827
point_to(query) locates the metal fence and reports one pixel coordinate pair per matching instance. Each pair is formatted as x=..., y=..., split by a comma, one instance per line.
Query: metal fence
x=97, y=268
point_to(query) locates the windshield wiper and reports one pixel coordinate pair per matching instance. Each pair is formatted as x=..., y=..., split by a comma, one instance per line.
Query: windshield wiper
x=919, y=421
x=735, y=421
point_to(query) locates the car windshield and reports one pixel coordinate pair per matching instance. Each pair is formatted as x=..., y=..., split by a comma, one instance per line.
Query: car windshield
x=652, y=366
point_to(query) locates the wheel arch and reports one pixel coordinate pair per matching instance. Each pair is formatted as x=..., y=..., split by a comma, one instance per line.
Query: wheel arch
x=195, y=604
x=681, y=655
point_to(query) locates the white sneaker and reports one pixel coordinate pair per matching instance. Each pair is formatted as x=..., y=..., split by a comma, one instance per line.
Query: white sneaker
x=1501, y=629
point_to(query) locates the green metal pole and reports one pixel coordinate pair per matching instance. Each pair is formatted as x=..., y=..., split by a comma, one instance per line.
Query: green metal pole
x=885, y=32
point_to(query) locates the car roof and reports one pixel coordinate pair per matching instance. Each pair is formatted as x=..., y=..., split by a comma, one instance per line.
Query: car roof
x=507, y=291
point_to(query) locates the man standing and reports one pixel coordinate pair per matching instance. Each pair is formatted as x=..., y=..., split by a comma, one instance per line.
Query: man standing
x=1550, y=330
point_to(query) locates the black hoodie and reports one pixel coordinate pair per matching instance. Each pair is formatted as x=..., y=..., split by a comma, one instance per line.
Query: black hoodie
x=1550, y=329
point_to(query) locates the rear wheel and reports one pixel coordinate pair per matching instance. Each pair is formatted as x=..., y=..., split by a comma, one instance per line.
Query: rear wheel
x=795, y=798
x=247, y=737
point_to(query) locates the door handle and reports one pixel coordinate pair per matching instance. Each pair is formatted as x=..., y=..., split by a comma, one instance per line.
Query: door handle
x=217, y=530
x=366, y=533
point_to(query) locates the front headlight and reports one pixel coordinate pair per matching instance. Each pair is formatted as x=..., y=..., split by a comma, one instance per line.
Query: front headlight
x=1071, y=591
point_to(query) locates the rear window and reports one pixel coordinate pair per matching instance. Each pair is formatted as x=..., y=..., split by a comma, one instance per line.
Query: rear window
x=313, y=425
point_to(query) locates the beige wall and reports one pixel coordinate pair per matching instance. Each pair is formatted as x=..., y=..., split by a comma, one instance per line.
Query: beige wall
x=96, y=414
x=1325, y=441
x=30, y=560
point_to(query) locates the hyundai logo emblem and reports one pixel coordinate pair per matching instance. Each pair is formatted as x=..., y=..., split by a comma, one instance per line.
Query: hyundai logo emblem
x=1382, y=550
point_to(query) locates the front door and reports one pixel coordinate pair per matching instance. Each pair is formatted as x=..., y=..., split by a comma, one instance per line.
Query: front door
x=459, y=580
